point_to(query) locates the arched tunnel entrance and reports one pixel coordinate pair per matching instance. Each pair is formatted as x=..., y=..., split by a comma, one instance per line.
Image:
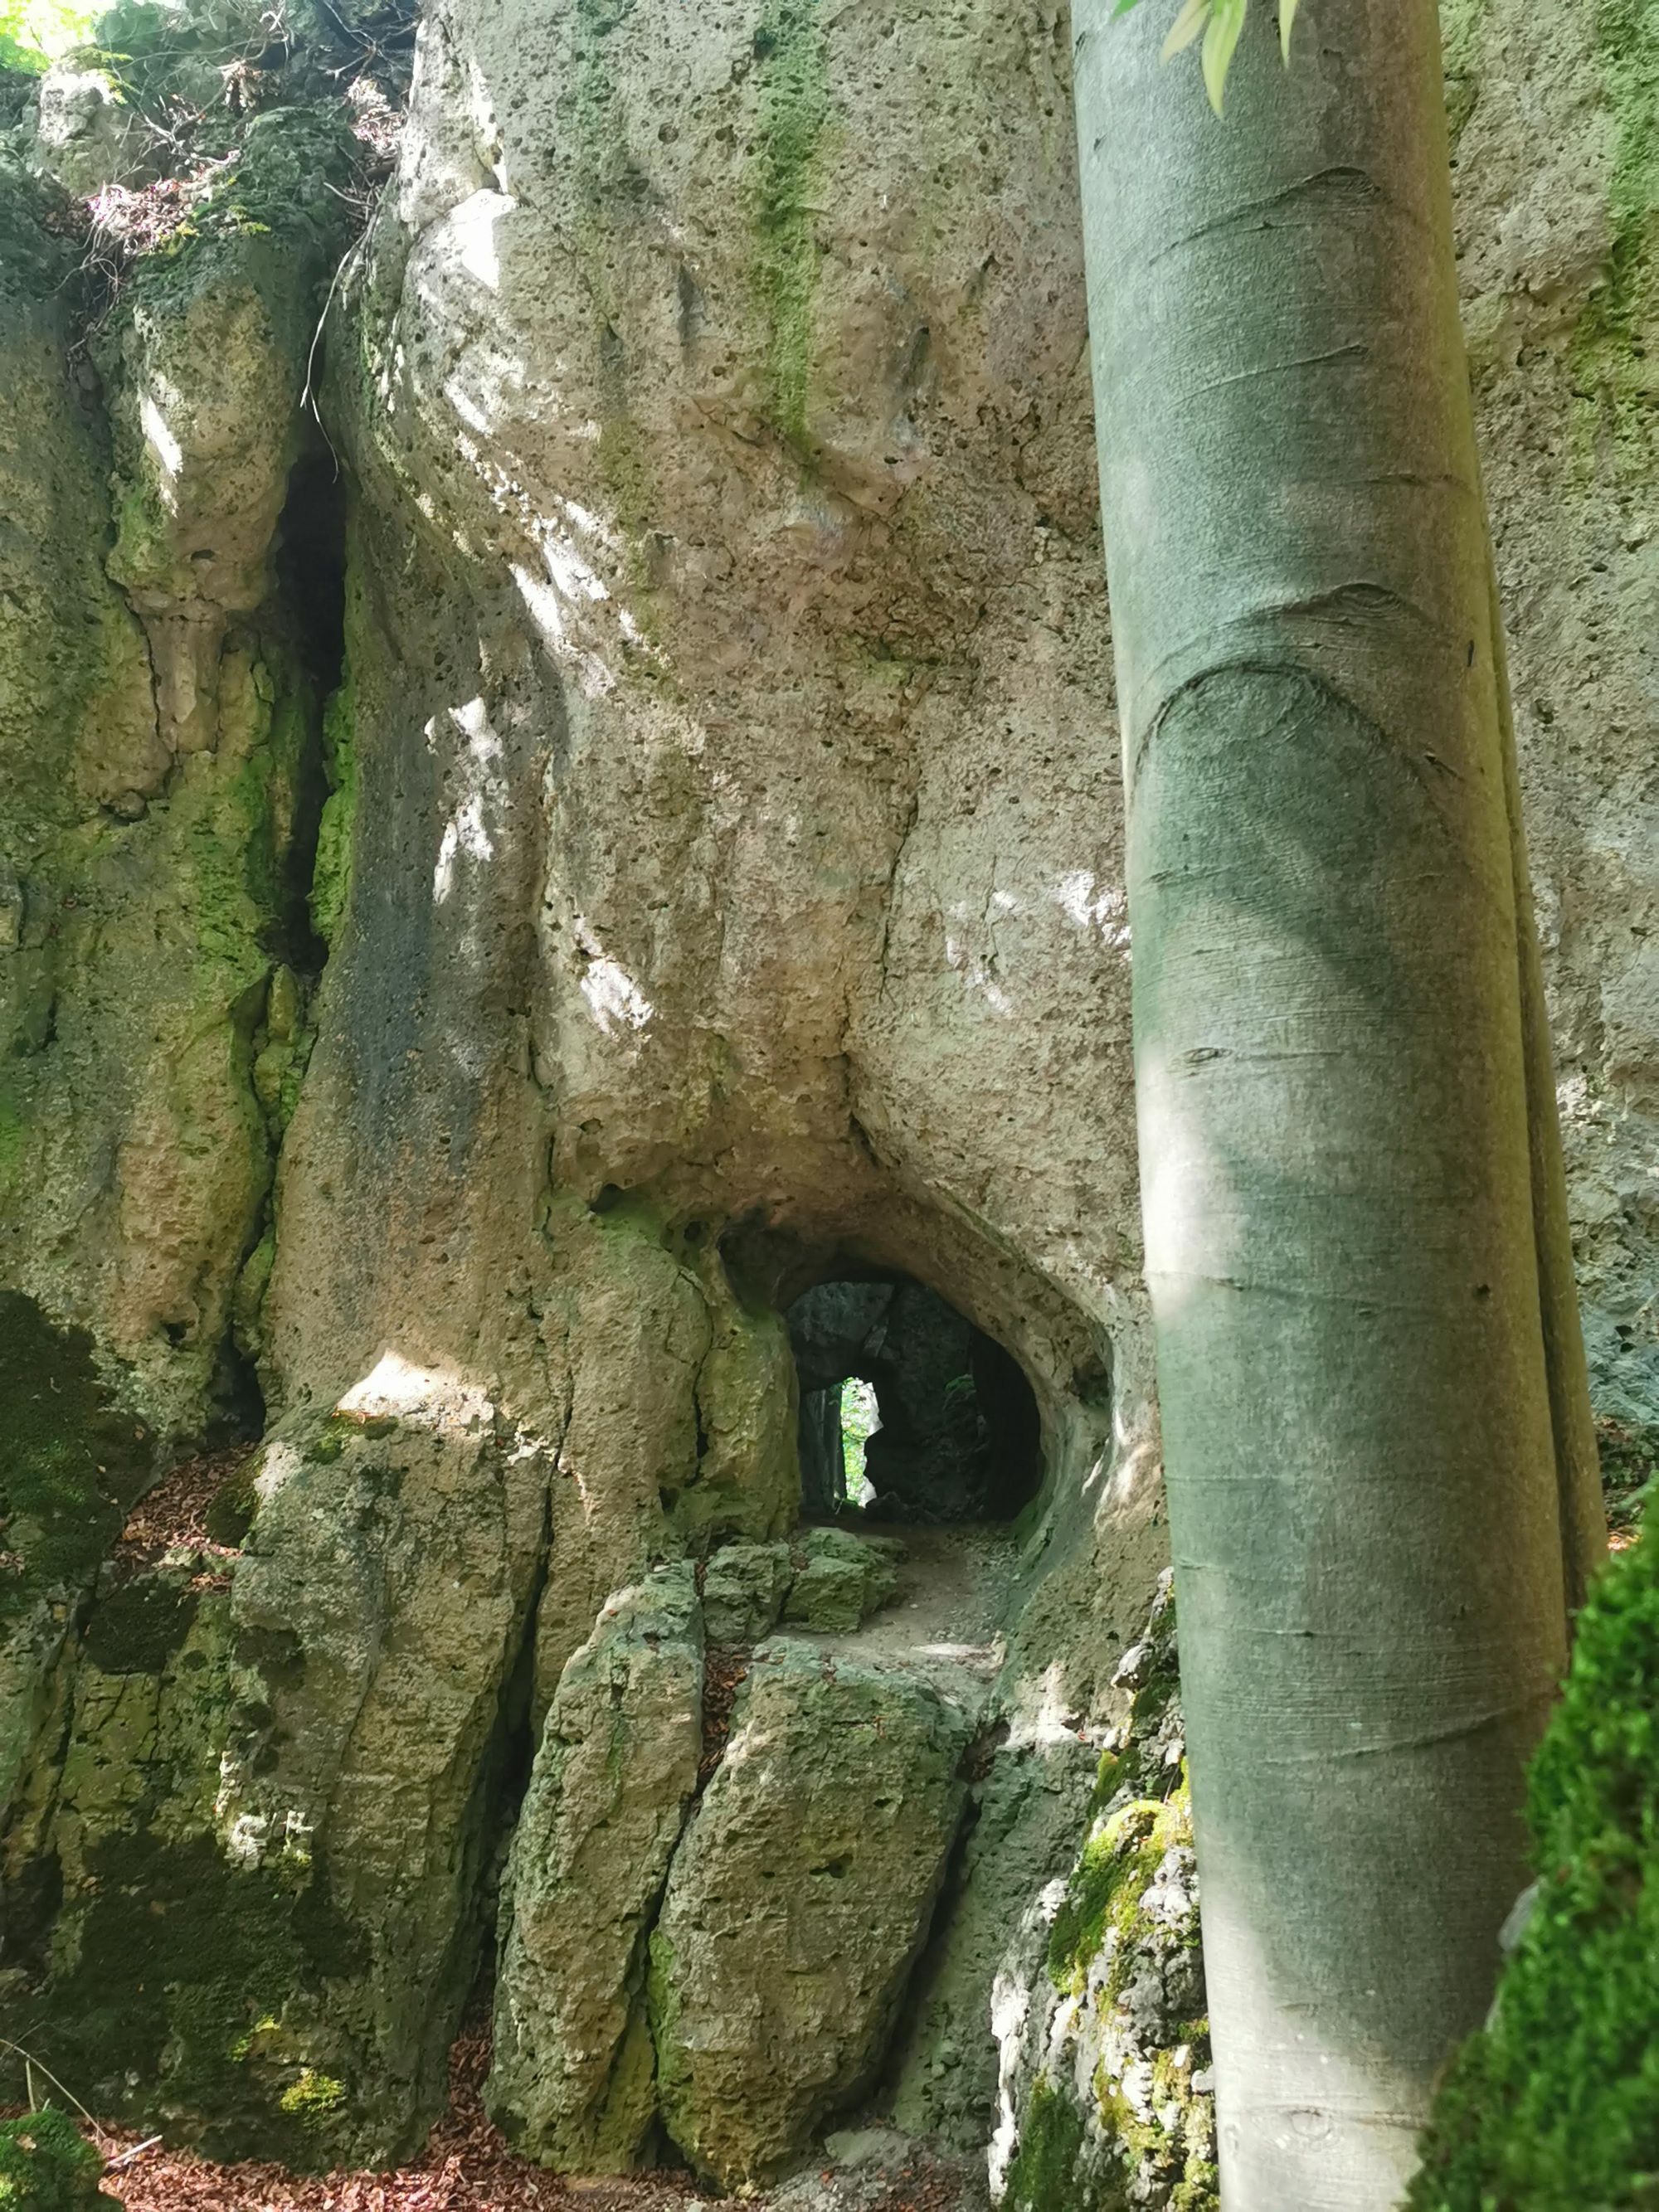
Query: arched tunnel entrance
x=942, y=1418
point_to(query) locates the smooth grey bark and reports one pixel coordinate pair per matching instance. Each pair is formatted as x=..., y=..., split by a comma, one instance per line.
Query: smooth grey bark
x=1353, y=1217
x=1582, y=1506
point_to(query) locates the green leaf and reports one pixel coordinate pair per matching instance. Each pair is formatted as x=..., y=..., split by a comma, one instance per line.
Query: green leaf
x=1286, y=17
x=1123, y=8
x=1226, y=21
x=1187, y=25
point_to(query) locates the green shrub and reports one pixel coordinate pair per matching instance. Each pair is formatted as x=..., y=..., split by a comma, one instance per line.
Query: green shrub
x=1554, y=2105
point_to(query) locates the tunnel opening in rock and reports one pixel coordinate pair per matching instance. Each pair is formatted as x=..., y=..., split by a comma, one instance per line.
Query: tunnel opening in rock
x=908, y=1413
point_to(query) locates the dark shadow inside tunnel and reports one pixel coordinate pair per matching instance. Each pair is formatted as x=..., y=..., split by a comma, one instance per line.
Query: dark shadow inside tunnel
x=908, y=1412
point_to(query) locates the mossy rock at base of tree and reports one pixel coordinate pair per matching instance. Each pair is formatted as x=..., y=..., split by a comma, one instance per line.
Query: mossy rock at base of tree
x=46, y=2165
x=1553, y=2106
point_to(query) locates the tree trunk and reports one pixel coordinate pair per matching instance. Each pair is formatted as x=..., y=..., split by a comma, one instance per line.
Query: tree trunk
x=1334, y=1051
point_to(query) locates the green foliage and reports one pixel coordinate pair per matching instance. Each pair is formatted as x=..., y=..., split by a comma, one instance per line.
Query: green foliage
x=46, y=2165
x=859, y=1420
x=1554, y=2105
x=1220, y=23
x=34, y=33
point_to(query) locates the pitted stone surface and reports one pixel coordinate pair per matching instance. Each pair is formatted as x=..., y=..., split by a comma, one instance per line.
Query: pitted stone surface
x=571, y=2083
x=799, y=1902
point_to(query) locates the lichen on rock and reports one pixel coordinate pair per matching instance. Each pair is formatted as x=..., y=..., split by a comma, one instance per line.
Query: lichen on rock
x=1106, y=2086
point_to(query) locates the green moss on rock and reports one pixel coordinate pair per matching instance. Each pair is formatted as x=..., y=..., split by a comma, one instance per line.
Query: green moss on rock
x=1460, y=33
x=136, y=1626
x=331, y=882
x=1554, y=2105
x=1045, y=2175
x=795, y=108
x=73, y=1461
x=191, y=1987
x=312, y=2097
x=46, y=2165
x=1117, y=2110
x=230, y=1515
x=1104, y=1894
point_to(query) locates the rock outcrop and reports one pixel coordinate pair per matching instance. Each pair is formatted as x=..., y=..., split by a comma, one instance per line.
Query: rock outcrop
x=841, y=1579
x=614, y=1776
x=799, y=1903
x=1105, y=2090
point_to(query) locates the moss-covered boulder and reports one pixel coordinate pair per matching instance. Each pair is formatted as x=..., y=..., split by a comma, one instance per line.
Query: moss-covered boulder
x=71, y=1464
x=841, y=1579
x=165, y=1976
x=744, y=1589
x=46, y=2165
x=1554, y=2105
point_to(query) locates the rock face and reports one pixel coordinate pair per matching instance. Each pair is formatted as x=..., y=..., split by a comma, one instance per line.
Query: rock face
x=1099, y=2006
x=743, y=1590
x=1557, y=241
x=486, y=929
x=799, y=1903
x=614, y=1775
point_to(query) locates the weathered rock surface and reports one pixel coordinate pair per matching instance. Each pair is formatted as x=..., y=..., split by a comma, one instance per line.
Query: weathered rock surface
x=572, y=2082
x=1558, y=242
x=799, y=1902
x=1105, y=2095
x=841, y=1579
x=743, y=1591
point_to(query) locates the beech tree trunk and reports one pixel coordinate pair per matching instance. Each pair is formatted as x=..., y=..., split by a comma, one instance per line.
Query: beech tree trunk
x=1367, y=1352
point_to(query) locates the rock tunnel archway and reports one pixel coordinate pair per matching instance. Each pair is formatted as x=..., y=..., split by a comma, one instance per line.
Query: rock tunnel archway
x=960, y=1435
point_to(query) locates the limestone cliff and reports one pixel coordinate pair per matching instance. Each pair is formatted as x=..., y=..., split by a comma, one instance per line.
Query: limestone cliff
x=558, y=790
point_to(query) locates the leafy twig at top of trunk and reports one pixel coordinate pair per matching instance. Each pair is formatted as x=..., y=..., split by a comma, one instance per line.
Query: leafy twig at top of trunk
x=1221, y=22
